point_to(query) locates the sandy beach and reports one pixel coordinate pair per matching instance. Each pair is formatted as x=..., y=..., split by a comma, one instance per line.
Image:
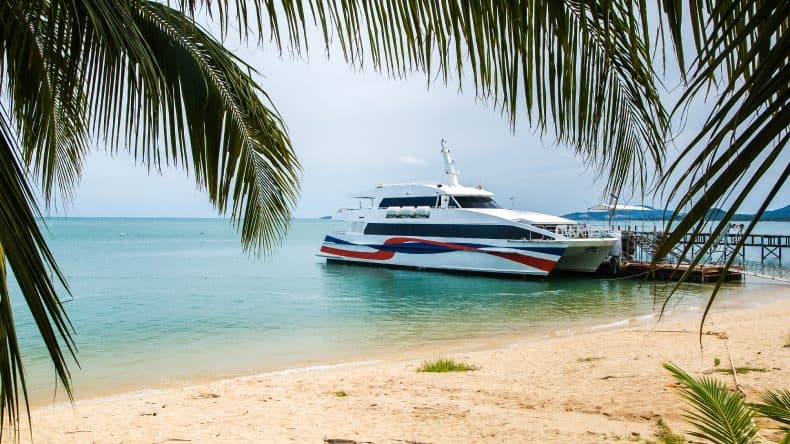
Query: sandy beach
x=599, y=385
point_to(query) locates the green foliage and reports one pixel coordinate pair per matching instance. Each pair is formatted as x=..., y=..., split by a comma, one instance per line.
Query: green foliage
x=718, y=415
x=723, y=416
x=144, y=77
x=667, y=436
x=24, y=250
x=742, y=370
x=741, y=52
x=775, y=405
x=590, y=359
x=716, y=361
x=444, y=365
x=341, y=393
x=141, y=76
x=135, y=75
x=518, y=55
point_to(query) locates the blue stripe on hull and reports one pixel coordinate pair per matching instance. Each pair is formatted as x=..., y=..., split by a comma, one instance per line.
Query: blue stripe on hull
x=422, y=248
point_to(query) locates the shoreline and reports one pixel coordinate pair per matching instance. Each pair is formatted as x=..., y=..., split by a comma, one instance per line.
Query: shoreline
x=595, y=385
x=764, y=291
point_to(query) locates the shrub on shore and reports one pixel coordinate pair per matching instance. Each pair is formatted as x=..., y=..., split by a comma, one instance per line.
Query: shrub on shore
x=667, y=436
x=444, y=365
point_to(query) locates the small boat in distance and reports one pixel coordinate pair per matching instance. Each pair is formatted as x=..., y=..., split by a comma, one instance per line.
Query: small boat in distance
x=454, y=227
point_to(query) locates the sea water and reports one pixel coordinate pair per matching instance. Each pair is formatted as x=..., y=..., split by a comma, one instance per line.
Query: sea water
x=157, y=302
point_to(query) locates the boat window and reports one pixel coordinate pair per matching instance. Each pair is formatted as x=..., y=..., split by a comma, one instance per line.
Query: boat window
x=476, y=202
x=427, y=201
x=453, y=230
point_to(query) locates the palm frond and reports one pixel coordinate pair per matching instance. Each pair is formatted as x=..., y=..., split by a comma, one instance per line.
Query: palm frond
x=582, y=69
x=743, y=45
x=24, y=249
x=719, y=416
x=146, y=78
x=238, y=148
x=46, y=106
x=775, y=405
x=158, y=85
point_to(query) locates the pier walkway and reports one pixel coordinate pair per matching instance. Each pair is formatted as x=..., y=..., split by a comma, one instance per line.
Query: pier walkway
x=639, y=246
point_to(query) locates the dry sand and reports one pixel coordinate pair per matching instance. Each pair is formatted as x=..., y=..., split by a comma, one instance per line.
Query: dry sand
x=600, y=386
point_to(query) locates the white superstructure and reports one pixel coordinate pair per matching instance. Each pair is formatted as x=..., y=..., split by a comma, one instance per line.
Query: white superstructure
x=455, y=227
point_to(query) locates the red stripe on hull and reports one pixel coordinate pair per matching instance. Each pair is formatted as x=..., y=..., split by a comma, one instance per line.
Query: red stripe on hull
x=380, y=255
x=541, y=264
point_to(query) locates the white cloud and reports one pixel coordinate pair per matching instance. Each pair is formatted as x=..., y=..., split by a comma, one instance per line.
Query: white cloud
x=411, y=160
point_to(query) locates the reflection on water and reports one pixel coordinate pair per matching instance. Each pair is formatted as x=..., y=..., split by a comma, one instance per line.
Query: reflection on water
x=416, y=306
x=176, y=299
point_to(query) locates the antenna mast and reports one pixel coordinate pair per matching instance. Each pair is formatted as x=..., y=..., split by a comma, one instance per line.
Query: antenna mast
x=449, y=164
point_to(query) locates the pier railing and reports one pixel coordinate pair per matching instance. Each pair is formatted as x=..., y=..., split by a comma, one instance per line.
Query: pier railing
x=760, y=255
x=765, y=249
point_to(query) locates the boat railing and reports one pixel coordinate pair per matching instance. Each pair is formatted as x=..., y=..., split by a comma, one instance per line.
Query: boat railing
x=582, y=231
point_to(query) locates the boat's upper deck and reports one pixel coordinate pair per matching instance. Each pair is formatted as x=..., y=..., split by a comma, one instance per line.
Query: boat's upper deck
x=421, y=190
x=444, y=196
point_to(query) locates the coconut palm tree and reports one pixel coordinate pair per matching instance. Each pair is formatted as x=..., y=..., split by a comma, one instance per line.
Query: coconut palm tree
x=132, y=75
x=145, y=77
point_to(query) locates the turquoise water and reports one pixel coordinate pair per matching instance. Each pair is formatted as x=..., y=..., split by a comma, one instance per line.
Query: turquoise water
x=163, y=301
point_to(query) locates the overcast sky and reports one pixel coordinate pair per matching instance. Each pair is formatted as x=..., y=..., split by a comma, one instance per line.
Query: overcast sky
x=353, y=130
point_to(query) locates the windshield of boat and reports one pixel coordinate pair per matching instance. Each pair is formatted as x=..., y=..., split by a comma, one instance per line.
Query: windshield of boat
x=476, y=202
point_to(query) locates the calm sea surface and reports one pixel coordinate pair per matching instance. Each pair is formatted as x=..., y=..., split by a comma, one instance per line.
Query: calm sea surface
x=163, y=301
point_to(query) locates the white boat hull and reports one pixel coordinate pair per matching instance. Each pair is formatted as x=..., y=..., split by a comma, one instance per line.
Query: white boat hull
x=585, y=255
x=537, y=258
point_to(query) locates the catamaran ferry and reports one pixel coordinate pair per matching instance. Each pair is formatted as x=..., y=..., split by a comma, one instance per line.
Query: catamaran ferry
x=460, y=228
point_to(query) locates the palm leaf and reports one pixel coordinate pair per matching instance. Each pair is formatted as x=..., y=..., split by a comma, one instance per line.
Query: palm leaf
x=580, y=69
x=719, y=416
x=775, y=405
x=24, y=249
x=745, y=45
x=148, y=80
x=47, y=108
x=238, y=148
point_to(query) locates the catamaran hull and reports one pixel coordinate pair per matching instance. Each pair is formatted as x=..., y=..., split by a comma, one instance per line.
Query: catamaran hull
x=469, y=255
x=585, y=255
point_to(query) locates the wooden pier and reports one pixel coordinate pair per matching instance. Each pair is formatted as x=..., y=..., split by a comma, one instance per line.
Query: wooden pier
x=640, y=244
x=771, y=246
x=672, y=272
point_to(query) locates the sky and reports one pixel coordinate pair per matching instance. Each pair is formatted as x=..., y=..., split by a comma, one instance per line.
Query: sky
x=352, y=130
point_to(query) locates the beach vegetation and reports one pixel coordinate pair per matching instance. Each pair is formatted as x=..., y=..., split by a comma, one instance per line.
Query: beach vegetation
x=145, y=77
x=444, y=365
x=716, y=361
x=742, y=370
x=590, y=359
x=340, y=393
x=776, y=406
x=721, y=415
x=716, y=413
x=666, y=435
